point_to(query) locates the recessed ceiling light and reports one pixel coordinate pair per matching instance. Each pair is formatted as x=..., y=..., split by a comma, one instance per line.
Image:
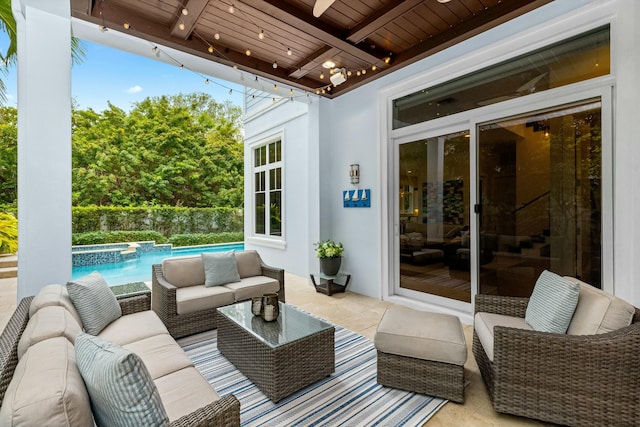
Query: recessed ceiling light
x=328, y=64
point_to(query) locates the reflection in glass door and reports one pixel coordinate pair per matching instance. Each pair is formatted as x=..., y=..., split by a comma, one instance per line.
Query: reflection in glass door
x=540, y=196
x=434, y=216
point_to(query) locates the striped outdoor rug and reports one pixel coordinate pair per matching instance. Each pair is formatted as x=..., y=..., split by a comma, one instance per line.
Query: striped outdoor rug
x=349, y=397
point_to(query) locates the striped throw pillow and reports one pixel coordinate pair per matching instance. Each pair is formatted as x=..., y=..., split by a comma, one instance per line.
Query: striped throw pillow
x=552, y=303
x=94, y=302
x=121, y=390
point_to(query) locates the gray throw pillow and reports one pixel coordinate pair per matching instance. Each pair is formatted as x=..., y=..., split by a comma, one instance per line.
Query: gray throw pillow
x=94, y=302
x=120, y=387
x=220, y=268
x=552, y=303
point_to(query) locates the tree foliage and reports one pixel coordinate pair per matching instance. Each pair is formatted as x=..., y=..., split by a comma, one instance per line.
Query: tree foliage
x=183, y=150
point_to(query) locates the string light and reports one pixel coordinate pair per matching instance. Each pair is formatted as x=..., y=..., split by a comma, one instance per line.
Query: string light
x=289, y=52
x=275, y=87
x=181, y=25
x=261, y=35
x=103, y=28
x=387, y=59
x=210, y=49
x=358, y=73
x=185, y=12
x=373, y=68
x=181, y=66
x=364, y=71
x=291, y=91
x=275, y=64
x=248, y=52
x=206, y=81
x=349, y=73
x=216, y=36
x=231, y=8
x=126, y=25
x=321, y=76
x=235, y=66
x=154, y=49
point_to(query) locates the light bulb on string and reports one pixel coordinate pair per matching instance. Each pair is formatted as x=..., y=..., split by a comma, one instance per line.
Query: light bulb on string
x=103, y=28
x=210, y=49
x=231, y=8
x=206, y=81
x=289, y=52
x=364, y=71
x=181, y=66
x=275, y=87
x=185, y=12
x=235, y=66
x=349, y=73
x=321, y=76
x=154, y=49
x=126, y=25
x=275, y=64
x=248, y=52
x=261, y=35
x=373, y=68
x=181, y=26
x=216, y=36
x=291, y=91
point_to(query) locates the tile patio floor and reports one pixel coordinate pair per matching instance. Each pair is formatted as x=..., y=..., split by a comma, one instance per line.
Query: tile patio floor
x=361, y=314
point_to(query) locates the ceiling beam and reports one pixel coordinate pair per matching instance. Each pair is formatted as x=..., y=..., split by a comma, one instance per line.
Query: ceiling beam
x=154, y=33
x=299, y=20
x=313, y=61
x=382, y=17
x=195, y=9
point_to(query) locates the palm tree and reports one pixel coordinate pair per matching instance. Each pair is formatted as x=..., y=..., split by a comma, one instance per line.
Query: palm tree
x=8, y=58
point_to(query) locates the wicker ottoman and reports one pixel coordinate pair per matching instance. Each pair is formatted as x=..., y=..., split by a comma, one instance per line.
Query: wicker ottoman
x=421, y=352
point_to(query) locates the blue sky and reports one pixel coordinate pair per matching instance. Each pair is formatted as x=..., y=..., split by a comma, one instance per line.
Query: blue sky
x=122, y=78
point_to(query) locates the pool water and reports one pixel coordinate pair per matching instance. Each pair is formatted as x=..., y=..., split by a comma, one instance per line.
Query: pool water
x=139, y=270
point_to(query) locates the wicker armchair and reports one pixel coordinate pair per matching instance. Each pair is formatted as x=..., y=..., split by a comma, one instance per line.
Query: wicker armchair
x=163, y=302
x=577, y=380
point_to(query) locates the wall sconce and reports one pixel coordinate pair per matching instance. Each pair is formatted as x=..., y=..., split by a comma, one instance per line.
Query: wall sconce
x=354, y=173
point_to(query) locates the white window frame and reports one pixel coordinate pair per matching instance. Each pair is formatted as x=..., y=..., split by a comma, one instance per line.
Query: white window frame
x=267, y=239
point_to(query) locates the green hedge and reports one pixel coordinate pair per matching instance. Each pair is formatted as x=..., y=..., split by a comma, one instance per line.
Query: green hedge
x=205, y=239
x=165, y=220
x=102, y=237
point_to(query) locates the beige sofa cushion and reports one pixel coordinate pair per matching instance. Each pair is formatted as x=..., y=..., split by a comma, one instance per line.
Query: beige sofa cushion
x=54, y=295
x=423, y=335
x=160, y=354
x=253, y=286
x=248, y=264
x=133, y=327
x=598, y=312
x=183, y=271
x=47, y=389
x=184, y=391
x=485, y=322
x=48, y=322
x=197, y=298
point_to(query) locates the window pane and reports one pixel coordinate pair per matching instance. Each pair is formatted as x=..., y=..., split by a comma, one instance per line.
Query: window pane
x=272, y=152
x=275, y=224
x=579, y=58
x=540, y=191
x=259, y=213
x=278, y=151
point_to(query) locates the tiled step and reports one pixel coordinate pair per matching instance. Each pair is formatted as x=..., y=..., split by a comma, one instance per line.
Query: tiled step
x=8, y=272
x=8, y=261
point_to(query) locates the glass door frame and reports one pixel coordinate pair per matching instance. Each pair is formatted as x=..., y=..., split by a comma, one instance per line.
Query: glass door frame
x=602, y=88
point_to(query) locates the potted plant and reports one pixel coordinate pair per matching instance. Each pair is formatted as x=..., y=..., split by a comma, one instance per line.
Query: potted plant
x=330, y=255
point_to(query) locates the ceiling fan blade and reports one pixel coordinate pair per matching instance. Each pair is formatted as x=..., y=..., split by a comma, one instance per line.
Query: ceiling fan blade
x=320, y=6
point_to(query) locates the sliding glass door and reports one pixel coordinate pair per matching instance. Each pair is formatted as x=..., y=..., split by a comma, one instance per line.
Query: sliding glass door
x=540, y=198
x=433, y=195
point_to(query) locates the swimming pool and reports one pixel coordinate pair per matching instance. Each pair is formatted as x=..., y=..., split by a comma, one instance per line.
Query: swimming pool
x=139, y=269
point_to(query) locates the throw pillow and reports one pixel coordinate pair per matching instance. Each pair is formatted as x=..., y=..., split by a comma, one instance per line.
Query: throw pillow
x=121, y=390
x=94, y=301
x=220, y=268
x=552, y=303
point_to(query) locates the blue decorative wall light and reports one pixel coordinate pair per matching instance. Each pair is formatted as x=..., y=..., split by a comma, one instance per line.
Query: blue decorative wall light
x=356, y=198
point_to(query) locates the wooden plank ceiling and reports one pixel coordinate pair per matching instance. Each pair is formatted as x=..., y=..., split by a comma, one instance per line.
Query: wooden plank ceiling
x=283, y=41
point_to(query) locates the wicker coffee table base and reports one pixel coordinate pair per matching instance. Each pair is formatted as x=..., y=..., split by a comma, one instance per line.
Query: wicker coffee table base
x=281, y=371
x=421, y=376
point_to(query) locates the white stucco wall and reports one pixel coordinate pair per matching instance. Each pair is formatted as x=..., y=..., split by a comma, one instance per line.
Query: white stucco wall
x=350, y=132
x=295, y=123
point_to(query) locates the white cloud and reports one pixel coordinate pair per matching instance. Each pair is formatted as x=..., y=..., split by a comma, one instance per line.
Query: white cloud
x=134, y=89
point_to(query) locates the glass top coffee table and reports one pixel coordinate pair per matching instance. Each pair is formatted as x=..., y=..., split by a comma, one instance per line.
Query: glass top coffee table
x=279, y=357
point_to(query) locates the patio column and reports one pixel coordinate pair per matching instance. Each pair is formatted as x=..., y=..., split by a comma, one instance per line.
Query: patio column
x=44, y=143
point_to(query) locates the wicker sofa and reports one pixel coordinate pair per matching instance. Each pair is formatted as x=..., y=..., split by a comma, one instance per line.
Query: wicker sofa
x=576, y=380
x=187, y=307
x=40, y=383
